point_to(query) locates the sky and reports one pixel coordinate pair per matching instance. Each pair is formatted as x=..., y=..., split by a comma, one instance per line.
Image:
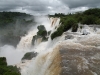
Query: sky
x=43, y=7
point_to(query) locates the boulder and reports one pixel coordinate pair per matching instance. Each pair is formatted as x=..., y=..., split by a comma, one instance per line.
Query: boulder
x=69, y=37
x=29, y=56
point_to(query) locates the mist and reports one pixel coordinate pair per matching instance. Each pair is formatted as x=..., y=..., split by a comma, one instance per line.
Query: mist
x=12, y=55
x=11, y=33
x=10, y=36
x=14, y=49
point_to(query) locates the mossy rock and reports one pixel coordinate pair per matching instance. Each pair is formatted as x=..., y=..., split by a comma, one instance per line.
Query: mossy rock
x=29, y=56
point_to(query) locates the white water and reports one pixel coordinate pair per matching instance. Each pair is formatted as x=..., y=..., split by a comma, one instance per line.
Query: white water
x=40, y=65
x=46, y=61
x=42, y=49
x=14, y=55
x=26, y=41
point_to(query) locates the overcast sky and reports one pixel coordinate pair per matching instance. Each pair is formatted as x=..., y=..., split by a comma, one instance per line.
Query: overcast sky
x=41, y=7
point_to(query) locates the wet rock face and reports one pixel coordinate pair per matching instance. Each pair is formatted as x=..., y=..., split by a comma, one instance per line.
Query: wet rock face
x=29, y=56
x=77, y=62
x=69, y=37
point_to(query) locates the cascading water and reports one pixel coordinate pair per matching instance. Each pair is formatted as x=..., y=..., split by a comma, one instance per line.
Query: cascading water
x=75, y=55
x=41, y=58
x=72, y=53
x=26, y=41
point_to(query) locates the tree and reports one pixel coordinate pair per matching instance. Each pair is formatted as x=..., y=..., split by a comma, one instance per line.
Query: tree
x=89, y=19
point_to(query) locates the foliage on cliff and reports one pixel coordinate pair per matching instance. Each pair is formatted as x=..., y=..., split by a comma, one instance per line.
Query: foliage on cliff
x=13, y=25
x=65, y=26
x=42, y=32
x=90, y=16
x=9, y=17
x=7, y=70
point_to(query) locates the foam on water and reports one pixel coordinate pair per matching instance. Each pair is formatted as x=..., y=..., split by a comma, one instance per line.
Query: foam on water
x=69, y=54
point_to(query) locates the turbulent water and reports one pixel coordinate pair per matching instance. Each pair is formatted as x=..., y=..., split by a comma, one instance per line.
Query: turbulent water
x=72, y=53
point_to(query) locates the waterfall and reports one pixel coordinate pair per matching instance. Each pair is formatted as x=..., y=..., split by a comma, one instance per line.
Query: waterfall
x=72, y=56
x=26, y=41
x=47, y=63
x=72, y=53
x=25, y=44
x=42, y=58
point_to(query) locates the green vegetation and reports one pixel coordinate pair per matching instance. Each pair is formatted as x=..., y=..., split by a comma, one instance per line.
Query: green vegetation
x=65, y=26
x=90, y=16
x=75, y=27
x=3, y=61
x=13, y=25
x=42, y=32
x=49, y=32
x=9, y=17
x=7, y=70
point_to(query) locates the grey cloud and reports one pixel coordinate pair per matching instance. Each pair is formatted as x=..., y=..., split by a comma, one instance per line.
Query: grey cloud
x=81, y=3
x=29, y=5
x=46, y=6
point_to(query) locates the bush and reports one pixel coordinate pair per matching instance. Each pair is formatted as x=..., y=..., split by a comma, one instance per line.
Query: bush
x=81, y=27
x=57, y=33
x=75, y=28
x=41, y=31
x=69, y=23
x=98, y=21
x=7, y=70
x=66, y=25
x=93, y=11
x=11, y=73
x=89, y=19
x=3, y=61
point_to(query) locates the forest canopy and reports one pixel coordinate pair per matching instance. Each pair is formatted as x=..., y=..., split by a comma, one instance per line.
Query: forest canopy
x=90, y=16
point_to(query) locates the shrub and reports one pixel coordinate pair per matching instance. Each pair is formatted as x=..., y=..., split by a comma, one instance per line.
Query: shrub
x=66, y=25
x=69, y=23
x=75, y=28
x=81, y=27
x=98, y=21
x=3, y=61
x=41, y=31
x=7, y=70
x=89, y=19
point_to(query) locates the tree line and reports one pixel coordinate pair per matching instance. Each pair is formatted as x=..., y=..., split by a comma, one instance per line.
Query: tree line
x=71, y=20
